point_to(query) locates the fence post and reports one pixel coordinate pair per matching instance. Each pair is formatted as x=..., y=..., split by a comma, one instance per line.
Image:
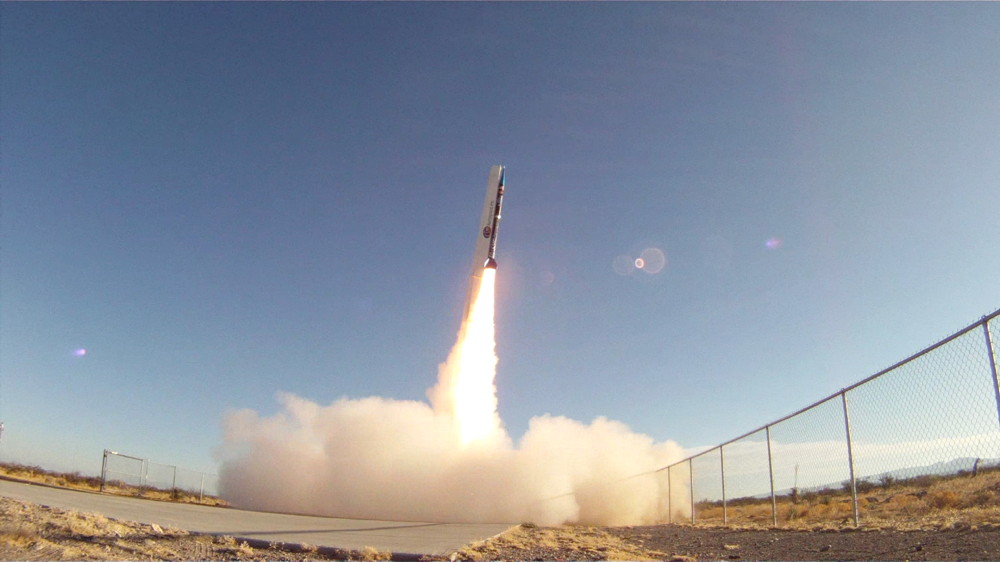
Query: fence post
x=173, y=485
x=770, y=473
x=850, y=457
x=670, y=491
x=201, y=492
x=104, y=469
x=993, y=364
x=722, y=470
x=691, y=483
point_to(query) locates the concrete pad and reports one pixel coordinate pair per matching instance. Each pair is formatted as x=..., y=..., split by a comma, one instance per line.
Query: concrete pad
x=401, y=538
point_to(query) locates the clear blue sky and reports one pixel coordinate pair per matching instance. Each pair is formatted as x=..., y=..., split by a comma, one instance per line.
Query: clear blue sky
x=223, y=201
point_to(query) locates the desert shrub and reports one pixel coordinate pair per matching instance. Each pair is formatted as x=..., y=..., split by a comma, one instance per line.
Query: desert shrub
x=796, y=511
x=861, y=486
x=24, y=535
x=745, y=501
x=372, y=553
x=865, y=486
x=943, y=499
x=81, y=480
x=760, y=511
x=902, y=501
x=243, y=549
x=712, y=512
x=981, y=498
x=924, y=481
x=831, y=510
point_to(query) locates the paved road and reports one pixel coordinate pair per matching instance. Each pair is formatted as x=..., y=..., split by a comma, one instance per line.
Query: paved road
x=354, y=534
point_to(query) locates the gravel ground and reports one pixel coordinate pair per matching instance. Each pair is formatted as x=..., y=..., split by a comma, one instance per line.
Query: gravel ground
x=684, y=542
x=968, y=543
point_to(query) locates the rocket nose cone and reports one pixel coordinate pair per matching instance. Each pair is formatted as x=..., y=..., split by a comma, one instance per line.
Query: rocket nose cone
x=491, y=264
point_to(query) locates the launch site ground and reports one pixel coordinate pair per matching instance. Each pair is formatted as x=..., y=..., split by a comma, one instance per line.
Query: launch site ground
x=39, y=530
x=255, y=527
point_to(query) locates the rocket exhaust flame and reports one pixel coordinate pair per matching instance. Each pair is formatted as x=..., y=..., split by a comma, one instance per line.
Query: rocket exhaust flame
x=451, y=460
x=466, y=388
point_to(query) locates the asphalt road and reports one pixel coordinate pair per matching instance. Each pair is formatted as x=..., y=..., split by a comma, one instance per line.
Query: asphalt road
x=397, y=537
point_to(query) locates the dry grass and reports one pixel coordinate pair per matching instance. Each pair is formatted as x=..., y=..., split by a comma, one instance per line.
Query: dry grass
x=77, y=481
x=372, y=553
x=48, y=533
x=926, y=502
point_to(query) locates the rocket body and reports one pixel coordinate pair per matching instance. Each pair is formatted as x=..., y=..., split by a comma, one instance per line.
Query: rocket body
x=486, y=244
x=486, y=237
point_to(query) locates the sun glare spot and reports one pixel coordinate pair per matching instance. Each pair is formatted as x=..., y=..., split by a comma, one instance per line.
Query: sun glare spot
x=650, y=260
x=653, y=260
x=80, y=352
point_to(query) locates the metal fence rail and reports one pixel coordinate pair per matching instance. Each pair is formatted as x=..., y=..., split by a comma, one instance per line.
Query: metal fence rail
x=934, y=413
x=136, y=476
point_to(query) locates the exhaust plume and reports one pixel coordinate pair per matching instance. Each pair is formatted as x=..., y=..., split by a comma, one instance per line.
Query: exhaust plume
x=466, y=389
x=450, y=460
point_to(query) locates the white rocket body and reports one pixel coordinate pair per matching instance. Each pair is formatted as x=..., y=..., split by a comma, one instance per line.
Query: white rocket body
x=486, y=237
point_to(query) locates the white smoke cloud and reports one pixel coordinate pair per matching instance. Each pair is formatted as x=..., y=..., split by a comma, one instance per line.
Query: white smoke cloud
x=448, y=461
x=391, y=459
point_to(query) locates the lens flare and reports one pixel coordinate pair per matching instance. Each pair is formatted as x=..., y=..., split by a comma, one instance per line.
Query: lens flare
x=653, y=260
x=623, y=265
x=466, y=386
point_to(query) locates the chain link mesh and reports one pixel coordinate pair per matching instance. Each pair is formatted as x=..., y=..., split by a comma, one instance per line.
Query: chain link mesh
x=678, y=482
x=934, y=416
x=128, y=475
x=122, y=472
x=746, y=475
x=160, y=476
x=707, y=492
x=808, y=456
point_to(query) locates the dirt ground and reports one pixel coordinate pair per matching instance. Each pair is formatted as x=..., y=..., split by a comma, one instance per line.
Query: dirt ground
x=720, y=544
x=34, y=532
x=684, y=542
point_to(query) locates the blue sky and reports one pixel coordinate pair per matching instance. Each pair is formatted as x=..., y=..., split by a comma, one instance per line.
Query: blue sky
x=223, y=201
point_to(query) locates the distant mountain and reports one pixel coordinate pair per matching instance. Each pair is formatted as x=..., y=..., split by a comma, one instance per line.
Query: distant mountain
x=943, y=468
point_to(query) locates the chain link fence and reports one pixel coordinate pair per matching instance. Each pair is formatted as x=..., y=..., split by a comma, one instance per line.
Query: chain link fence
x=893, y=443
x=135, y=476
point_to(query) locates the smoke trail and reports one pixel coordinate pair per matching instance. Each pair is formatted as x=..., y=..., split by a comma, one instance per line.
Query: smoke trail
x=448, y=461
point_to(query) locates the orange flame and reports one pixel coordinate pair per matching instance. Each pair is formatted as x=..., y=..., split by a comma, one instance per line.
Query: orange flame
x=465, y=387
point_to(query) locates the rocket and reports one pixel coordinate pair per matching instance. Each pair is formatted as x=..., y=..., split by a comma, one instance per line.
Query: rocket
x=486, y=246
x=484, y=256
